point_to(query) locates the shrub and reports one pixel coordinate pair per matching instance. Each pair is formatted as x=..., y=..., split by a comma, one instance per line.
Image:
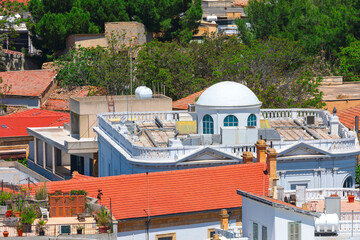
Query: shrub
x=41, y=192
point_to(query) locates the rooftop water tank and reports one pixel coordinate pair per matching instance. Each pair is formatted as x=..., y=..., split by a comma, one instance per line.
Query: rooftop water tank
x=211, y=18
x=143, y=92
x=327, y=223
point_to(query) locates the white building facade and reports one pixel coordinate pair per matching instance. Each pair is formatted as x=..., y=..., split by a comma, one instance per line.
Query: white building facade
x=314, y=149
x=262, y=218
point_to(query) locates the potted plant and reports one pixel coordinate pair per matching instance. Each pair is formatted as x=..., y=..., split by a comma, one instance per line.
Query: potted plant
x=79, y=229
x=103, y=219
x=41, y=223
x=27, y=218
x=5, y=233
x=351, y=198
x=19, y=228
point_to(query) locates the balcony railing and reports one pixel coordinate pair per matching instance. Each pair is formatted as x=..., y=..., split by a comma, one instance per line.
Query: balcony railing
x=54, y=229
x=321, y=193
x=348, y=142
x=232, y=233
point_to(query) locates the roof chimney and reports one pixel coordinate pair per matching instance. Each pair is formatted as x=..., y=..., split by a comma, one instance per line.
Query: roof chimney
x=224, y=219
x=271, y=160
x=247, y=157
x=260, y=151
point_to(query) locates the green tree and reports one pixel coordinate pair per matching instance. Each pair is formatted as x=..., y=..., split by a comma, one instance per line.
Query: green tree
x=320, y=26
x=349, y=61
x=108, y=68
x=54, y=20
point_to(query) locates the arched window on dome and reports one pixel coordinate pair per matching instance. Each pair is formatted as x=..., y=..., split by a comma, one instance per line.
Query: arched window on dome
x=348, y=183
x=208, y=125
x=251, y=122
x=231, y=121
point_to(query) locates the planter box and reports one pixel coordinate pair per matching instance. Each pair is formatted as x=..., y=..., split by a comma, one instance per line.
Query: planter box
x=66, y=205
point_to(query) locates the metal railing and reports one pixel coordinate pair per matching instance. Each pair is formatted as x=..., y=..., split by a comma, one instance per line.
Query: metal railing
x=54, y=229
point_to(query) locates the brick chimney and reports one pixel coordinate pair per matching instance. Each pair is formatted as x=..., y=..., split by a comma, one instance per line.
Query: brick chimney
x=261, y=150
x=271, y=159
x=247, y=157
x=224, y=219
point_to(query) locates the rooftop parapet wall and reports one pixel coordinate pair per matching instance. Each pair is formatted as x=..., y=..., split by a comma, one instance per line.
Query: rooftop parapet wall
x=348, y=142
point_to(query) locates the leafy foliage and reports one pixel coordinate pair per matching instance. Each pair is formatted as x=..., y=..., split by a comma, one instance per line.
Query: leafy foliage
x=41, y=192
x=277, y=70
x=349, y=61
x=54, y=20
x=318, y=25
x=108, y=68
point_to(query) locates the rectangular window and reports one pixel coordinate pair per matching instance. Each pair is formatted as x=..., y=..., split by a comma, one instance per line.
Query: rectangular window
x=293, y=186
x=167, y=236
x=264, y=233
x=211, y=232
x=255, y=231
x=294, y=231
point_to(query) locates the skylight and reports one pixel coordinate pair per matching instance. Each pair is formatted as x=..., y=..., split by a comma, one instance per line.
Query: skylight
x=4, y=126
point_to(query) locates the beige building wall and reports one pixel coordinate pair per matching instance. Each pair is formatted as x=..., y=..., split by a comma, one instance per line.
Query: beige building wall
x=83, y=110
x=128, y=30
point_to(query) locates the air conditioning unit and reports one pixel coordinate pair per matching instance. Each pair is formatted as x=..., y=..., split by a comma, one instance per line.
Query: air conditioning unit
x=191, y=108
x=310, y=120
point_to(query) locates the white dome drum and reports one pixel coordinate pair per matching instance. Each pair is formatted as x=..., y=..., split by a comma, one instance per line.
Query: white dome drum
x=228, y=94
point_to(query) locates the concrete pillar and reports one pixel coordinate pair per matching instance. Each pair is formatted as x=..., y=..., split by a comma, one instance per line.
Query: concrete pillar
x=334, y=123
x=44, y=154
x=261, y=151
x=53, y=158
x=247, y=157
x=35, y=151
x=224, y=219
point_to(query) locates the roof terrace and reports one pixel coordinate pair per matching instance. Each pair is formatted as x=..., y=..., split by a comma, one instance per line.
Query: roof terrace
x=150, y=134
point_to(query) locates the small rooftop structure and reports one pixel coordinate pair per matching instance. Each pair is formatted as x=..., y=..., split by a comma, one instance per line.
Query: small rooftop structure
x=17, y=91
x=228, y=94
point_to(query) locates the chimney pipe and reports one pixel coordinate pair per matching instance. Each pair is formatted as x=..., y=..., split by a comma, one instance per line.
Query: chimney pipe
x=247, y=157
x=224, y=219
x=271, y=160
x=357, y=124
x=260, y=151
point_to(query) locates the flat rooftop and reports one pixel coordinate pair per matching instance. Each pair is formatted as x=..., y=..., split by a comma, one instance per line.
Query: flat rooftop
x=342, y=91
x=14, y=176
x=148, y=134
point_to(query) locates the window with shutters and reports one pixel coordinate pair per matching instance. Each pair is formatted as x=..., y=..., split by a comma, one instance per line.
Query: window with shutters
x=264, y=233
x=255, y=231
x=294, y=231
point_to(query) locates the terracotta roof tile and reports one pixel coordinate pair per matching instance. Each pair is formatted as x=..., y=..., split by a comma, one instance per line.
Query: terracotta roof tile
x=13, y=52
x=15, y=124
x=27, y=83
x=347, y=116
x=182, y=104
x=59, y=100
x=172, y=192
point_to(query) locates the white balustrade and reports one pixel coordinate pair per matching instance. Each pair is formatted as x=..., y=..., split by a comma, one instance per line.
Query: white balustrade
x=332, y=145
x=321, y=193
x=345, y=226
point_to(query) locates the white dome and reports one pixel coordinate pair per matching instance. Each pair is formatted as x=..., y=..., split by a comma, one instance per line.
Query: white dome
x=228, y=94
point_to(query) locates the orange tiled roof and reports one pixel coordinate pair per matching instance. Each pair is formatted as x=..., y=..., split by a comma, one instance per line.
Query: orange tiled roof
x=347, y=116
x=27, y=83
x=182, y=104
x=16, y=124
x=172, y=192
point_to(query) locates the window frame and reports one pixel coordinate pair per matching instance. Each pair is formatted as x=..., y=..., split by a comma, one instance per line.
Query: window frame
x=233, y=123
x=255, y=236
x=294, y=235
x=159, y=236
x=347, y=181
x=251, y=120
x=208, y=124
x=209, y=231
x=264, y=230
